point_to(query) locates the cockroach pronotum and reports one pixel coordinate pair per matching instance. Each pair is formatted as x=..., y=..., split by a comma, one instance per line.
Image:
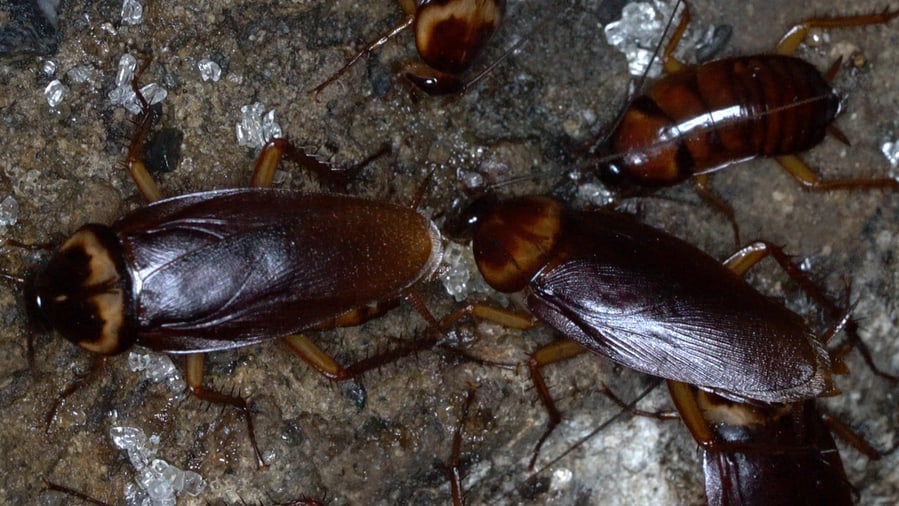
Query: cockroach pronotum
x=228, y=268
x=449, y=34
x=646, y=300
x=700, y=118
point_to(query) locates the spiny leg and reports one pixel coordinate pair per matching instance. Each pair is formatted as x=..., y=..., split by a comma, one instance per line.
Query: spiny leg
x=810, y=181
x=136, y=167
x=684, y=399
x=454, y=470
x=436, y=331
x=276, y=149
x=194, y=373
x=797, y=33
x=551, y=353
x=855, y=439
x=701, y=182
x=559, y=351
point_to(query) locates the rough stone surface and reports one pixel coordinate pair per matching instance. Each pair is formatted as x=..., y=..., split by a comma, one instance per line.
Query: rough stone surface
x=64, y=167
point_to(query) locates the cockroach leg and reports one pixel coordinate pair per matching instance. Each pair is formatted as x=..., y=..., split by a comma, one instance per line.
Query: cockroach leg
x=276, y=149
x=312, y=354
x=810, y=181
x=669, y=62
x=560, y=351
x=136, y=167
x=797, y=33
x=97, y=364
x=194, y=378
x=504, y=317
x=701, y=182
x=436, y=331
x=49, y=486
x=549, y=354
x=685, y=401
x=454, y=470
x=658, y=415
x=854, y=439
x=306, y=349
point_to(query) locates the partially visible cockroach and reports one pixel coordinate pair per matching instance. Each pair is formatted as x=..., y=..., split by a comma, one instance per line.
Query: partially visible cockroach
x=754, y=455
x=645, y=299
x=701, y=118
x=229, y=268
x=449, y=34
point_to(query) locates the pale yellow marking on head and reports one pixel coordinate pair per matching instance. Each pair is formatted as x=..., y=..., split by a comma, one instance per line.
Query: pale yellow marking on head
x=109, y=304
x=102, y=267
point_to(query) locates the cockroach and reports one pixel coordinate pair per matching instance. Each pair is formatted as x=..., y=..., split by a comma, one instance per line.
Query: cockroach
x=771, y=454
x=781, y=454
x=698, y=119
x=644, y=299
x=449, y=34
x=228, y=268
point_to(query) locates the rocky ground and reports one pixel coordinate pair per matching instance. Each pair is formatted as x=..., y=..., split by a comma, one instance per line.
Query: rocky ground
x=62, y=166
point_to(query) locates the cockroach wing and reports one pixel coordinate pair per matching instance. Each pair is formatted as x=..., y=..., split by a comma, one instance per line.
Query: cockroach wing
x=228, y=268
x=658, y=305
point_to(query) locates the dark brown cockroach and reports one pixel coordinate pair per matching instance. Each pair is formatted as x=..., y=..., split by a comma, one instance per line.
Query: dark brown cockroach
x=449, y=34
x=780, y=454
x=700, y=118
x=228, y=268
x=645, y=299
x=772, y=454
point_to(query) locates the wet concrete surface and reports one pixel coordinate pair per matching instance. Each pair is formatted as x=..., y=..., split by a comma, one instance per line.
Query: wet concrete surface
x=64, y=166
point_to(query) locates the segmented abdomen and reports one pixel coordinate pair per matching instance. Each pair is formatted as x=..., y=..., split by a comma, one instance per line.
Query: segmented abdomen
x=711, y=115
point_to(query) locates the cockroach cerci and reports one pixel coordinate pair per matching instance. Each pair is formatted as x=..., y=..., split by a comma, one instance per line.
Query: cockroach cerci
x=700, y=118
x=449, y=34
x=228, y=268
x=645, y=299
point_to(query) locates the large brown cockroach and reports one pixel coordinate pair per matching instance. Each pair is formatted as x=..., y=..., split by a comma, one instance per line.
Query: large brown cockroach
x=646, y=300
x=449, y=34
x=770, y=454
x=228, y=268
x=700, y=118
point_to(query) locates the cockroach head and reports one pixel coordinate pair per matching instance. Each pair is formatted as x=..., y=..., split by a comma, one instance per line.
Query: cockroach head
x=467, y=216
